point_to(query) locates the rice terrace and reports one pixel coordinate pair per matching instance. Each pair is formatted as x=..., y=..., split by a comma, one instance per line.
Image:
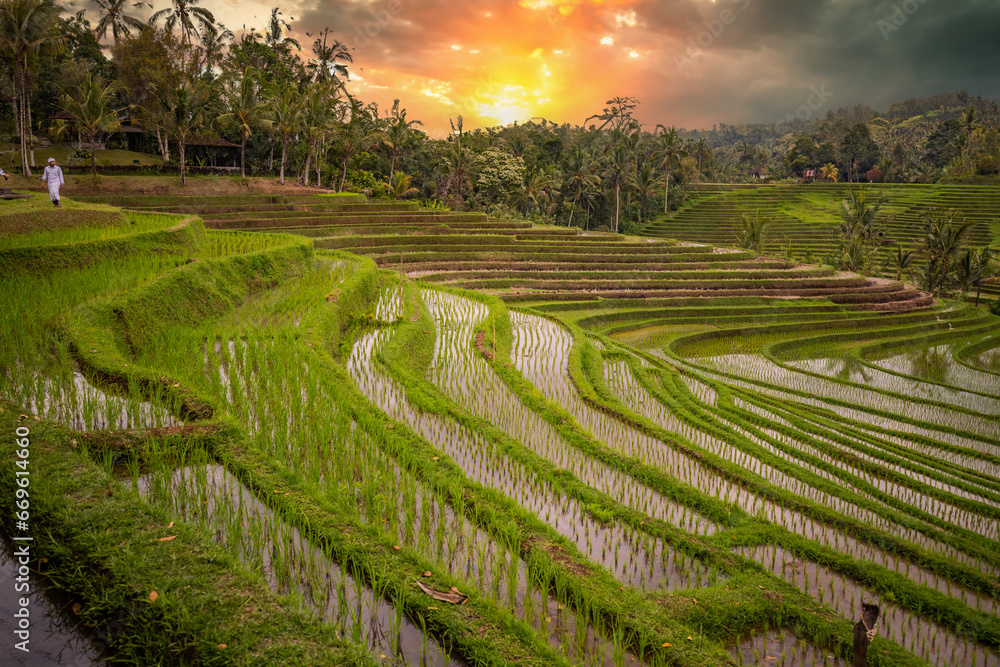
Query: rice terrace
x=288, y=379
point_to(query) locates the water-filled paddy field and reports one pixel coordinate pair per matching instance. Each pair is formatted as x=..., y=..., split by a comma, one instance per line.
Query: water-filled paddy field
x=316, y=443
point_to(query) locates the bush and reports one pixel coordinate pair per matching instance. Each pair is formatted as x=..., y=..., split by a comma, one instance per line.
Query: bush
x=995, y=307
x=987, y=165
x=81, y=154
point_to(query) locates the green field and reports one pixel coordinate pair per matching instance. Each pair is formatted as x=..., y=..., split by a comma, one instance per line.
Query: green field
x=293, y=429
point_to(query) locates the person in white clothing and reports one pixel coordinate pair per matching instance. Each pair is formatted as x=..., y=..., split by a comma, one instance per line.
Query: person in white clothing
x=54, y=177
x=5, y=175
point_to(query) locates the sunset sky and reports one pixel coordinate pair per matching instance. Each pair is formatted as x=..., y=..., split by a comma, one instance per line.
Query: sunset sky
x=691, y=63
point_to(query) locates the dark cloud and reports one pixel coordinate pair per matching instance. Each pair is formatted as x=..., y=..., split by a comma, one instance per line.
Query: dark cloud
x=691, y=62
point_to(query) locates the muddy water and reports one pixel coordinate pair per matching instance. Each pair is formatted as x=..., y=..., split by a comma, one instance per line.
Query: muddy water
x=633, y=559
x=756, y=367
x=823, y=434
x=72, y=400
x=932, y=642
x=975, y=464
x=465, y=376
x=555, y=344
x=781, y=648
x=219, y=503
x=937, y=364
x=56, y=635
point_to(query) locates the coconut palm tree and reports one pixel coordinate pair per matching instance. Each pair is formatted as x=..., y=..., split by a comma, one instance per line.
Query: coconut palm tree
x=245, y=110
x=91, y=110
x=829, y=172
x=753, y=231
x=581, y=175
x=646, y=181
x=114, y=17
x=185, y=115
x=356, y=133
x=318, y=114
x=539, y=184
x=397, y=134
x=901, y=259
x=27, y=31
x=213, y=41
x=285, y=117
x=274, y=34
x=943, y=238
x=619, y=163
x=859, y=217
x=324, y=66
x=668, y=151
x=399, y=185
x=183, y=14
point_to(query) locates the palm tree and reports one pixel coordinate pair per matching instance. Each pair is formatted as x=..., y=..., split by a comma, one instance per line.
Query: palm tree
x=619, y=162
x=859, y=217
x=27, y=31
x=399, y=185
x=183, y=14
x=459, y=157
x=753, y=231
x=274, y=33
x=829, y=172
x=318, y=104
x=114, y=17
x=213, y=40
x=324, y=65
x=91, y=110
x=581, y=169
x=539, y=185
x=244, y=110
x=668, y=151
x=646, y=181
x=355, y=133
x=285, y=104
x=901, y=259
x=944, y=236
x=397, y=134
x=185, y=115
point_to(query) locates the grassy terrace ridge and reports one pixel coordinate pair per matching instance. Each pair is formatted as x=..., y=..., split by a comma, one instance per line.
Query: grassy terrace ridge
x=602, y=394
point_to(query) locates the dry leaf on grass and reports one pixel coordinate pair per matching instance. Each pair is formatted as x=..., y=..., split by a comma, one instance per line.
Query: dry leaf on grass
x=451, y=597
x=153, y=596
x=167, y=539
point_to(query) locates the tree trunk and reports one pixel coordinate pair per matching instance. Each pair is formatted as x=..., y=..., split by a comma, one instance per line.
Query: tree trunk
x=243, y=155
x=164, y=144
x=304, y=179
x=31, y=135
x=979, y=288
x=22, y=84
x=319, y=164
x=284, y=154
x=666, y=192
x=180, y=151
x=618, y=206
x=93, y=156
x=343, y=171
x=573, y=210
x=270, y=158
x=392, y=166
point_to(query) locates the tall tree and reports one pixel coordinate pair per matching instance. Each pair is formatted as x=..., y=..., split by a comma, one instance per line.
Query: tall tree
x=183, y=14
x=944, y=237
x=668, y=151
x=244, y=110
x=328, y=58
x=646, y=180
x=92, y=110
x=397, y=134
x=581, y=173
x=27, y=31
x=115, y=17
x=285, y=118
x=274, y=34
x=185, y=115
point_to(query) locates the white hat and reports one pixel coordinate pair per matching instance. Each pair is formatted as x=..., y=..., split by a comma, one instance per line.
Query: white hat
x=52, y=159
